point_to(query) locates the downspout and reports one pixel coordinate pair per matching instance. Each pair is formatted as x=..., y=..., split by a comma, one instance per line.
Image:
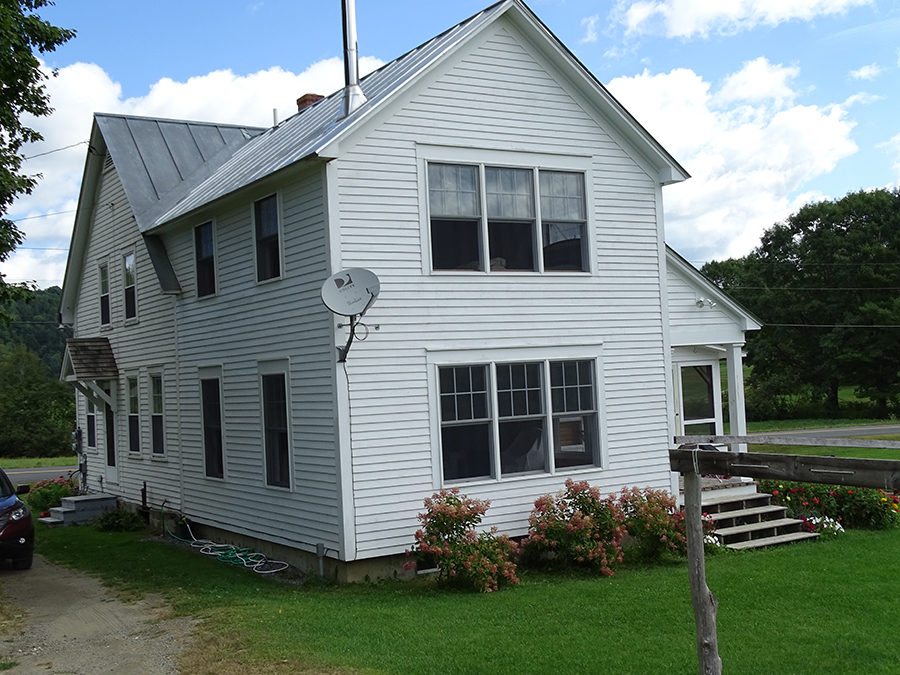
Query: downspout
x=353, y=93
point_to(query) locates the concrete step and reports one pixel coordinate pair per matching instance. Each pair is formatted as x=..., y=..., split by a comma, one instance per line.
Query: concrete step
x=787, y=538
x=81, y=509
x=51, y=521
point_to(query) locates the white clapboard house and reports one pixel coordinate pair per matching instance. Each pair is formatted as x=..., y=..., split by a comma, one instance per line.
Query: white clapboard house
x=531, y=324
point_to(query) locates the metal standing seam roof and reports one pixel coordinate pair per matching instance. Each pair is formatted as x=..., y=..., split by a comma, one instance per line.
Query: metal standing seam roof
x=306, y=132
x=160, y=161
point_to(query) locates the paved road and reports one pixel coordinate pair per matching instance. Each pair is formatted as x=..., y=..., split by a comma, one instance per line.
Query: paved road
x=18, y=476
x=839, y=432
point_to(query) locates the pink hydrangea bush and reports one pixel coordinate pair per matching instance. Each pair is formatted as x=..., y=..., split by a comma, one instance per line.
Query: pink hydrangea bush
x=465, y=557
x=654, y=522
x=575, y=528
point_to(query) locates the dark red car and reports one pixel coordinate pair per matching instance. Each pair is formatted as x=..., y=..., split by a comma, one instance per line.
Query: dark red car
x=16, y=525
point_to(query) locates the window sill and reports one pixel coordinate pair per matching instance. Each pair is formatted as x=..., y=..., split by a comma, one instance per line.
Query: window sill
x=131, y=322
x=522, y=477
x=512, y=273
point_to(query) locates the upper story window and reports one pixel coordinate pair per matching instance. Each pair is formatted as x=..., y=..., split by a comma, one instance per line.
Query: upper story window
x=503, y=419
x=268, y=252
x=205, y=258
x=130, y=285
x=104, y=294
x=492, y=219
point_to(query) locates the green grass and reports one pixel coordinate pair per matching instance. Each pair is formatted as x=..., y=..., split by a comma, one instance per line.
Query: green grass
x=804, y=609
x=790, y=425
x=37, y=462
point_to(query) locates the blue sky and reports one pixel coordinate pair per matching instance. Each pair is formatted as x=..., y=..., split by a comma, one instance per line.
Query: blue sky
x=769, y=104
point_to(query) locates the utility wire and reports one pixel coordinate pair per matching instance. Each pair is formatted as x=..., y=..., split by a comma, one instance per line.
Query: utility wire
x=50, y=152
x=43, y=215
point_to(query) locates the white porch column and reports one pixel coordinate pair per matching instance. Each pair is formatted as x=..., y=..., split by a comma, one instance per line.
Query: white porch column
x=737, y=417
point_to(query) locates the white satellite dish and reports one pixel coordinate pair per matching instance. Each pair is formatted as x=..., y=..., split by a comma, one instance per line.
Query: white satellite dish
x=351, y=292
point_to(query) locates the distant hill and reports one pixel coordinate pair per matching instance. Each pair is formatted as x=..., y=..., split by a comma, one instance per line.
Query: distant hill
x=35, y=325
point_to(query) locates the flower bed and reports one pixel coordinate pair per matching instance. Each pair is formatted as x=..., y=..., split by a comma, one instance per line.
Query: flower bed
x=850, y=506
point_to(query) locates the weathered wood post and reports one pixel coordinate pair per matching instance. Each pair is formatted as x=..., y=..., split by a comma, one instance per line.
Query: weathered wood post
x=704, y=602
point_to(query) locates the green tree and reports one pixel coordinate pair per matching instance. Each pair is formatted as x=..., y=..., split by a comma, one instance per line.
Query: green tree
x=826, y=282
x=22, y=33
x=37, y=412
x=34, y=323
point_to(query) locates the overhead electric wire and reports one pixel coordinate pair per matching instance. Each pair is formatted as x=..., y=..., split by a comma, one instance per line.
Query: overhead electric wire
x=50, y=152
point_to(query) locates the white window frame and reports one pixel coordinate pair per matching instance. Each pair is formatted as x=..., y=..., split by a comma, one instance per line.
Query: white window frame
x=267, y=368
x=215, y=259
x=535, y=162
x=280, y=215
x=125, y=255
x=717, y=418
x=213, y=373
x=90, y=419
x=439, y=358
x=133, y=412
x=102, y=266
x=153, y=377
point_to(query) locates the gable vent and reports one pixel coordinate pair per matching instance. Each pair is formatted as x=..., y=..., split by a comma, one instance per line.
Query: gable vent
x=108, y=162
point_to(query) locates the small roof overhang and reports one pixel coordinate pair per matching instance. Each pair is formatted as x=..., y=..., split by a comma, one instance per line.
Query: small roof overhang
x=86, y=362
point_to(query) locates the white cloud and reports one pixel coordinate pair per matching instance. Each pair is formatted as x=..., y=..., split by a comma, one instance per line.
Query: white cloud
x=869, y=72
x=589, y=23
x=686, y=18
x=893, y=145
x=81, y=89
x=748, y=146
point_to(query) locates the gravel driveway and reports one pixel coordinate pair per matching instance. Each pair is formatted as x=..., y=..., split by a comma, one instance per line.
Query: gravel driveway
x=74, y=626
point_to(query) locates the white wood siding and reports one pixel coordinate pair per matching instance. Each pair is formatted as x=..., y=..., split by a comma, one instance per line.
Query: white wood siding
x=244, y=324
x=141, y=347
x=693, y=325
x=500, y=96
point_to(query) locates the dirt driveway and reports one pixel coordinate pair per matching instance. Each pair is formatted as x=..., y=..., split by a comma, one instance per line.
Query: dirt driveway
x=74, y=626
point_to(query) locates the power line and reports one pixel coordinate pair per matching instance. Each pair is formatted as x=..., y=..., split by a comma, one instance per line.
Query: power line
x=50, y=152
x=813, y=288
x=43, y=215
x=827, y=325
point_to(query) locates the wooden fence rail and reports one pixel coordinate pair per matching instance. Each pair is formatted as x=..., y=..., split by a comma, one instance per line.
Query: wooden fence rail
x=693, y=462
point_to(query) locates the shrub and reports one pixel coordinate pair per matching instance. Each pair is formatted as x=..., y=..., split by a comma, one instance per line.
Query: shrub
x=654, y=521
x=465, y=557
x=575, y=527
x=47, y=494
x=850, y=506
x=119, y=520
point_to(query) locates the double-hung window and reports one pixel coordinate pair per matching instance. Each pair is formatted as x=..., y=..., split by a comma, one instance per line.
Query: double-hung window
x=211, y=410
x=157, y=427
x=205, y=259
x=493, y=219
x=268, y=251
x=275, y=423
x=130, y=286
x=104, y=295
x=501, y=419
x=91, y=424
x=134, y=416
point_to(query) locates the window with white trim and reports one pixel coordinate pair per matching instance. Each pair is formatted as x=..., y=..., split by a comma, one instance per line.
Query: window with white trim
x=134, y=416
x=157, y=426
x=268, y=249
x=130, y=285
x=698, y=400
x=211, y=414
x=502, y=419
x=275, y=425
x=103, y=272
x=91, y=413
x=205, y=259
x=518, y=228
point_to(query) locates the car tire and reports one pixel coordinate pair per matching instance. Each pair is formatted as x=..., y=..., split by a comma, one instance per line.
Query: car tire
x=23, y=563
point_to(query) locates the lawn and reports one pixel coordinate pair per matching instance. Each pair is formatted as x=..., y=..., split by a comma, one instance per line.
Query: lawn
x=37, y=462
x=804, y=609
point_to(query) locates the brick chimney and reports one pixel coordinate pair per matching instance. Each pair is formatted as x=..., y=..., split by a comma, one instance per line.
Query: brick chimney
x=307, y=100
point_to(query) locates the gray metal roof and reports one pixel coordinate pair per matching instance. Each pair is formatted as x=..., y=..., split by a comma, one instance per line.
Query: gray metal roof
x=160, y=161
x=308, y=131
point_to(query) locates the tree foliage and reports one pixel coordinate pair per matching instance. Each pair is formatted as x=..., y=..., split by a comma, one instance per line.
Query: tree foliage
x=33, y=323
x=22, y=92
x=826, y=282
x=37, y=413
